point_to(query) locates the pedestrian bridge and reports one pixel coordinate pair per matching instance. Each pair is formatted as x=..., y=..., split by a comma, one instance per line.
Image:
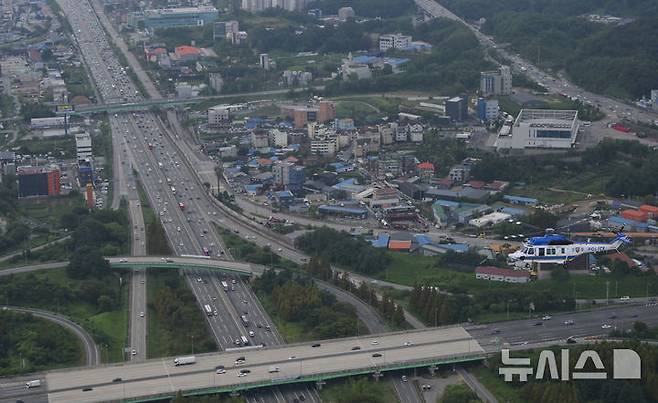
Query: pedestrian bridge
x=186, y=262
x=269, y=366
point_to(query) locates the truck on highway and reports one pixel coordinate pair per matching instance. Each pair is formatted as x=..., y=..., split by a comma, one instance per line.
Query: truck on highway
x=208, y=309
x=245, y=320
x=190, y=359
x=245, y=341
x=33, y=384
x=225, y=286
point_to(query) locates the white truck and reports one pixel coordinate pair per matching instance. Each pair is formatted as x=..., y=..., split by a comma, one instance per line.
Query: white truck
x=33, y=384
x=184, y=360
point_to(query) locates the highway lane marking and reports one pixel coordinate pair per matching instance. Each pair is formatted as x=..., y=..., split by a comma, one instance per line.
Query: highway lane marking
x=168, y=376
x=266, y=363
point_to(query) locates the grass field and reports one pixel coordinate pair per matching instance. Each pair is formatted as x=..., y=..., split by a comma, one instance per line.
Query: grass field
x=408, y=269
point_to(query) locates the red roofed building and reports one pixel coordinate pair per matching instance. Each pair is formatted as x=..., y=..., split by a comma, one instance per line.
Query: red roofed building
x=425, y=170
x=649, y=209
x=400, y=246
x=264, y=162
x=185, y=52
x=153, y=54
x=497, y=274
x=292, y=159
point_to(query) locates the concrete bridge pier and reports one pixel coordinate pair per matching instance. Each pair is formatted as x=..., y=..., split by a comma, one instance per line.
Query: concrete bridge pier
x=377, y=375
x=432, y=369
x=318, y=384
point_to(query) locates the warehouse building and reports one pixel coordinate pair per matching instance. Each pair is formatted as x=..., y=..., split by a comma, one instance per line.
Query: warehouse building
x=540, y=128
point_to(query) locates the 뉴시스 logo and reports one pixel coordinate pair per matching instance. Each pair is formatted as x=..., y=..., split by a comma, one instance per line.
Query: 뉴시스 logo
x=626, y=365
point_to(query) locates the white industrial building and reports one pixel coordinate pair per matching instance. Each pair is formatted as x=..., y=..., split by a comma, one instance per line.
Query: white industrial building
x=83, y=146
x=394, y=41
x=489, y=219
x=540, y=128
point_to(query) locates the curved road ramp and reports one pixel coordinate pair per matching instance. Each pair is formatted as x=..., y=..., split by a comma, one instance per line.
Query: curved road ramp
x=263, y=367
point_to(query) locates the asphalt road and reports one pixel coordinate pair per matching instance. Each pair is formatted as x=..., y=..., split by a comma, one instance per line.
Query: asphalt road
x=586, y=323
x=333, y=355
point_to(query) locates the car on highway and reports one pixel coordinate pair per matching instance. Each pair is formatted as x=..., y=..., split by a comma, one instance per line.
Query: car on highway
x=404, y=378
x=133, y=352
x=251, y=333
x=141, y=314
x=606, y=326
x=568, y=322
x=374, y=342
x=538, y=324
x=377, y=355
x=316, y=345
x=356, y=348
x=546, y=317
x=407, y=344
x=220, y=369
x=240, y=360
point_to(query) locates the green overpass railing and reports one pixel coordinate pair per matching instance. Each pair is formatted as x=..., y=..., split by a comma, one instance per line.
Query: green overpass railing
x=177, y=265
x=315, y=377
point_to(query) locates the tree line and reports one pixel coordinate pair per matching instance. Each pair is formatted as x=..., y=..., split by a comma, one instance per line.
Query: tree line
x=392, y=312
x=627, y=166
x=30, y=344
x=178, y=317
x=344, y=250
x=604, y=58
x=297, y=299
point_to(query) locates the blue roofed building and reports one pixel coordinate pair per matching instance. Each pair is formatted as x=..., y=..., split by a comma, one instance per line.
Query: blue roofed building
x=618, y=221
x=254, y=189
x=381, y=241
x=284, y=198
x=520, y=200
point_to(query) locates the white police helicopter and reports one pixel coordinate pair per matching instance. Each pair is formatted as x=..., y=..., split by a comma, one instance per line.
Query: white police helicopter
x=558, y=249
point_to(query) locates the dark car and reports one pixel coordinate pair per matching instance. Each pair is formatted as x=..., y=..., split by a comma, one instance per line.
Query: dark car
x=316, y=345
x=571, y=340
x=116, y=380
x=87, y=389
x=356, y=348
x=495, y=331
x=245, y=371
x=539, y=324
x=376, y=355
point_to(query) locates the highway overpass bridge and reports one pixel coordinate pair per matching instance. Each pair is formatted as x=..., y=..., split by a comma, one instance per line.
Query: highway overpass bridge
x=306, y=362
x=186, y=262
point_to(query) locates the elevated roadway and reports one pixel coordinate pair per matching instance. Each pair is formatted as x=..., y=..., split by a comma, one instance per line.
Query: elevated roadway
x=330, y=359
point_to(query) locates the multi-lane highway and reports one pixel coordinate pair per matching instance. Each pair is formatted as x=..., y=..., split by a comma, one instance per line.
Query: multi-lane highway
x=265, y=365
x=179, y=202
